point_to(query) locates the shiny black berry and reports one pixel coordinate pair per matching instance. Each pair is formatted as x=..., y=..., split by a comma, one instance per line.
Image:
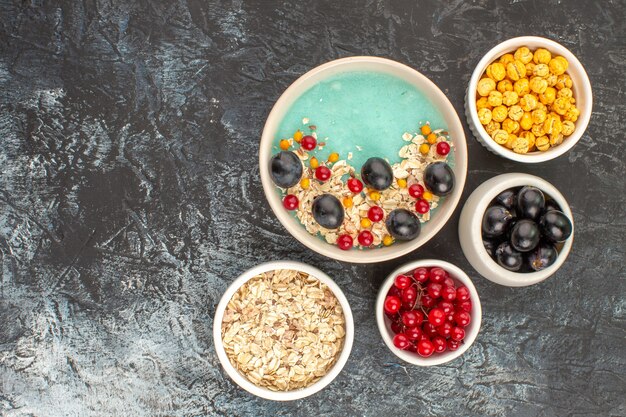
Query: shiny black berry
x=439, y=178
x=525, y=235
x=496, y=221
x=507, y=198
x=542, y=256
x=328, y=211
x=376, y=173
x=490, y=246
x=509, y=258
x=555, y=226
x=551, y=205
x=530, y=202
x=285, y=169
x=403, y=225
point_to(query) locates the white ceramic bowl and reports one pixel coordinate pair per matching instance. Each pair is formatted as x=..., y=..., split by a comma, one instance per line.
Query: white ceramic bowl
x=241, y=380
x=581, y=88
x=471, y=331
x=364, y=63
x=470, y=233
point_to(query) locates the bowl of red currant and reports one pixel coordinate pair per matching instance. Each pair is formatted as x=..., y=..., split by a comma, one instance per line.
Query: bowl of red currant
x=428, y=312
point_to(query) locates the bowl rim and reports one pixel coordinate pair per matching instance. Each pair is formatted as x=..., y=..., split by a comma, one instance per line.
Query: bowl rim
x=242, y=381
x=490, y=189
x=580, y=90
x=383, y=253
x=438, y=359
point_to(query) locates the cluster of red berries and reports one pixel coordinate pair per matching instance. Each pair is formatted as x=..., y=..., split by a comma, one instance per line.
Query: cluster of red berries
x=428, y=312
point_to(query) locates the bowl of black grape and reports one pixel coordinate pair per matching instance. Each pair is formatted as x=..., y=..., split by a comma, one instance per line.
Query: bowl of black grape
x=516, y=229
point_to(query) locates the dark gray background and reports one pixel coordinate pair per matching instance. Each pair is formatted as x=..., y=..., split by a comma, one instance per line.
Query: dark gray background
x=130, y=198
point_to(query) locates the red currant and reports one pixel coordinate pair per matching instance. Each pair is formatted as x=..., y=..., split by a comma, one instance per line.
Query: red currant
x=464, y=305
x=402, y=281
x=462, y=318
x=413, y=333
x=366, y=238
x=453, y=344
x=290, y=202
x=308, y=142
x=434, y=289
x=344, y=242
x=462, y=294
x=397, y=327
x=457, y=334
x=322, y=173
x=416, y=190
x=443, y=148
x=401, y=341
x=375, y=214
x=354, y=185
x=421, y=275
x=437, y=275
x=412, y=348
x=440, y=344
x=409, y=295
x=436, y=316
x=394, y=291
x=427, y=301
x=392, y=304
x=412, y=318
x=422, y=206
x=446, y=306
x=425, y=348
x=448, y=293
x=448, y=282
x=445, y=329
x=429, y=329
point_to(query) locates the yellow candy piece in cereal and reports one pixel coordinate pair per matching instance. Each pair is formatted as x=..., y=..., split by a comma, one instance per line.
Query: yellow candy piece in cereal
x=510, y=142
x=556, y=139
x=504, y=86
x=526, y=122
x=500, y=136
x=542, y=143
x=558, y=65
x=506, y=58
x=537, y=130
x=521, y=145
x=538, y=85
x=552, y=125
x=542, y=56
x=511, y=126
x=548, y=96
x=510, y=98
x=499, y=113
x=297, y=136
x=563, y=81
x=515, y=113
x=496, y=71
x=561, y=105
x=484, y=115
x=482, y=102
x=528, y=102
x=495, y=98
x=515, y=70
x=565, y=92
x=541, y=70
x=530, y=67
x=530, y=137
x=521, y=87
x=491, y=127
x=572, y=114
x=568, y=128
x=485, y=86
x=523, y=54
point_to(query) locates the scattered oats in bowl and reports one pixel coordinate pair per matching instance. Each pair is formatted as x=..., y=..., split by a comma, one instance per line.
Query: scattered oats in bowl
x=283, y=330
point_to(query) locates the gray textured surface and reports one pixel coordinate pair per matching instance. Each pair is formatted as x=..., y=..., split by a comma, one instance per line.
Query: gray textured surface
x=130, y=198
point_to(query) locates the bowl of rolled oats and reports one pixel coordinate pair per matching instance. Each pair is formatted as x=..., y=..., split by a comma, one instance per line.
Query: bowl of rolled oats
x=529, y=100
x=363, y=159
x=283, y=330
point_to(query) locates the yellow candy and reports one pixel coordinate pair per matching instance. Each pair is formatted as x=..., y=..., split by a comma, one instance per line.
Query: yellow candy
x=516, y=70
x=556, y=139
x=496, y=71
x=347, y=202
x=526, y=122
x=558, y=65
x=491, y=127
x=510, y=98
x=565, y=92
x=305, y=183
x=521, y=87
x=431, y=138
x=551, y=79
x=427, y=195
x=424, y=149
x=314, y=163
x=541, y=70
x=484, y=115
x=401, y=182
x=568, y=127
x=537, y=85
x=366, y=223
x=521, y=145
x=572, y=114
x=542, y=143
x=515, y=113
x=530, y=137
x=333, y=157
x=528, y=102
x=297, y=136
x=485, y=86
x=523, y=54
x=500, y=136
x=511, y=126
x=506, y=58
x=561, y=105
x=537, y=129
x=541, y=106
x=504, y=86
x=529, y=69
x=495, y=98
x=563, y=81
x=482, y=103
x=387, y=240
x=375, y=195
x=510, y=143
x=552, y=125
x=284, y=144
x=548, y=96
x=426, y=129
x=542, y=56
x=499, y=113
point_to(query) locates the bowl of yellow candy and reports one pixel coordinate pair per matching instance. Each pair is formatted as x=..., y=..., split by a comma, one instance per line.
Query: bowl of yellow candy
x=529, y=100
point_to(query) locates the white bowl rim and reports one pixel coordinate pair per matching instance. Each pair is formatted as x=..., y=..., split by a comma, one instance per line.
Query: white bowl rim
x=495, y=186
x=447, y=356
x=242, y=381
x=584, y=89
x=383, y=253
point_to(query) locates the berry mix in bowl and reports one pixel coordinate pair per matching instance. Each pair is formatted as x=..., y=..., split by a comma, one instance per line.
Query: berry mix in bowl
x=428, y=312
